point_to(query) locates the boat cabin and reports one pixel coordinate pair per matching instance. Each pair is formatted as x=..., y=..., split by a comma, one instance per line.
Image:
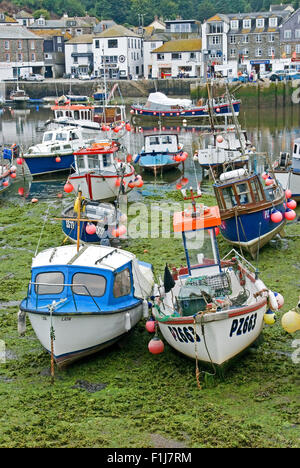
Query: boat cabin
x=296, y=156
x=62, y=136
x=161, y=143
x=238, y=188
x=75, y=112
x=199, y=240
x=95, y=159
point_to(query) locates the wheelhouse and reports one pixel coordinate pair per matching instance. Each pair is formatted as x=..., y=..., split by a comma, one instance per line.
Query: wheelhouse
x=61, y=136
x=75, y=112
x=95, y=159
x=296, y=156
x=162, y=143
x=199, y=240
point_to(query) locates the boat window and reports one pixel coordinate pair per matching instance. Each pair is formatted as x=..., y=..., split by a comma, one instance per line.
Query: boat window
x=244, y=193
x=61, y=136
x=256, y=189
x=154, y=141
x=88, y=284
x=76, y=115
x=295, y=149
x=106, y=160
x=80, y=162
x=50, y=282
x=166, y=140
x=200, y=248
x=122, y=283
x=74, y=136
x=48, y=136
x=219, y=199
x=93, y=163
x=229, y=197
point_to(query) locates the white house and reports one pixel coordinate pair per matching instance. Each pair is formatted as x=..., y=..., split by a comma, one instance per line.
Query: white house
x=151, y=43
x=79, y=55
x=177, y=58
x=118, y=52
x=24, y=18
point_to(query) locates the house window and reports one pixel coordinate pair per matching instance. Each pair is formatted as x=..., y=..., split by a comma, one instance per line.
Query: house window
x=245, y=52
x=258, y=53
x=7, y=57
x=258, y=38
x=272, y=22
x=58, y=39
x=234, y=24
x=232, y=39
x=19, y=44
x=97, y=44
x=32, y=45
x=271, y=51
x=215, y=40
x=176, y=56
x=246, y=23
x=152, y=45
x=33, y=57
x=271, y=37
x=192, y=55
x=287, y=48
x=287, y=34
x=6, y=45
x=59, y=49
x=245, y=39
x=75, y=59
x=297, y=33
x=112, y=43
x=297, y=48
x=260, y=22
x=160, y=56
x=20, y=57
x=232, y=52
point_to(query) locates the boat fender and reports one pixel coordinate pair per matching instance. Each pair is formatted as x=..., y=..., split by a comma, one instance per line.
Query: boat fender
x=272, y=301
x=145, y=309
x=21, y=322
x=127, y=321
x=137, y=158
x=233, y=174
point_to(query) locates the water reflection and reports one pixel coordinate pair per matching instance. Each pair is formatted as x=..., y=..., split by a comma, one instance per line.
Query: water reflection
x=270, y=130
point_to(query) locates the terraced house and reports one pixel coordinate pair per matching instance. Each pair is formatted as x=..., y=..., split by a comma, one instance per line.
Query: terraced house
x=21, y=52
x=290, y=38
x=244, y=41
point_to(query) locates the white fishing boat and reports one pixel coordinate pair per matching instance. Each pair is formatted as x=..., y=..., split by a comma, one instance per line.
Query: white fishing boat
x=210, y=309
x=19, y=96
x=81, y=301
x=56, y=151
x=287, y=171
x=100, y=176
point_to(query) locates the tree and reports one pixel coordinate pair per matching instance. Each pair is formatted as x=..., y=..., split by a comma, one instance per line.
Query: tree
x=38, y=13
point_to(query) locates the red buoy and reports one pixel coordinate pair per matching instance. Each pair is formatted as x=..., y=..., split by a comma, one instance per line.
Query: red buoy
x=21, y=191
x=150, y=326
x=90, y=229
x=68, y=187
x=57, y=159
x=156, y=346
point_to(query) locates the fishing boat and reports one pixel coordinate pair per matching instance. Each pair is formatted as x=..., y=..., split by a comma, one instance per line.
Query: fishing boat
x=252, y=212
x=100, y=176
x=99, y=223
x=80, y=301
x=161, y=151
x=19, y=96
x=56, y=151
x=7, y=169
x=159, y=105
x=76, y=115
x=287, y=170
x=209, y=309
x=227, y=147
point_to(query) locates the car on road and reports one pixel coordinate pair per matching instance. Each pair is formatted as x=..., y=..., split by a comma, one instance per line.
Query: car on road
x=34, y=77
x=84, y=77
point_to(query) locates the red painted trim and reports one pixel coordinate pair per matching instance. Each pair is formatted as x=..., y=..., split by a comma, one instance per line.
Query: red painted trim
x=89, y=184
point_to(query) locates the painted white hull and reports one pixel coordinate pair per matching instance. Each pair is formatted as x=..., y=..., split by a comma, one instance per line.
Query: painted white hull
x=79, y=335
x=100, y=187
x=222, y=340
x=216, y=156
x=289, y=180
x=78, y=123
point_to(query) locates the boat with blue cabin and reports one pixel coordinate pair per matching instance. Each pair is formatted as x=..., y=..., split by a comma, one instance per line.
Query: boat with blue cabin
x=159, y=105
x=161, y=151
x=247, y=209
x=80, y=301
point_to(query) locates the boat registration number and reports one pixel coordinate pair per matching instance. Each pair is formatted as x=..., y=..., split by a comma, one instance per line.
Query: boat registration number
x=243, y=325
x=184, y=334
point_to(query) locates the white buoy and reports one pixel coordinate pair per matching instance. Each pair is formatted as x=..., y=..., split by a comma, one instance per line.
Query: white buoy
x=127, y=321
x=21, y=322
x=145, y=309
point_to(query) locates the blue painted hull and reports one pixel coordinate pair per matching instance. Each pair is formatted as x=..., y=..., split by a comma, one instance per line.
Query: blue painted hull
x=194, y=112
x=252, y=230
x=159, y=161
x=39, y=165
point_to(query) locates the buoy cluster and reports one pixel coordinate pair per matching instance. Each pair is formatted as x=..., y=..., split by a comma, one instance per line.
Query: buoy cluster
x=289, y=214
x=136, y=182
x=181, y=157
x=117, y=128
x=155, y=345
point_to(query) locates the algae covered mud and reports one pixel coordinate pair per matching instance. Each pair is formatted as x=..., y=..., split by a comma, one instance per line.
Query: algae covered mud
x=124, y=396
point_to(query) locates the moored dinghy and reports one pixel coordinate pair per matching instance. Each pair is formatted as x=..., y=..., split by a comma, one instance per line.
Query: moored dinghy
x=81, y=301
x=212, y=310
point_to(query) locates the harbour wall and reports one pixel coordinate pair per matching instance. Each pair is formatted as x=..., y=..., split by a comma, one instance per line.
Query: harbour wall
x=259, y=94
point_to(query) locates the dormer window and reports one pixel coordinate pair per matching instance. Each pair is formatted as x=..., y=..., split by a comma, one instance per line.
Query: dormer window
x=260, y=23
x=247, y=23
x=2, y=16
x=272, y=22
x=41, y=21
x=234, y=24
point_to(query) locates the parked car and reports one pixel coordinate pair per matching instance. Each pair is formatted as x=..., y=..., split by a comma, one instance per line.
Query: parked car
x=34, y=77
x=84, y=77
x=292, y=75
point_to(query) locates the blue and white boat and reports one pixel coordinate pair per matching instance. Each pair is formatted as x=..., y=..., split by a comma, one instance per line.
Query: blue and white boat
x=7, y=169
x=56, y=151
x=81, y=301
x=247, y=209
x=161, y=151
x=288, y=171
x=159, y=105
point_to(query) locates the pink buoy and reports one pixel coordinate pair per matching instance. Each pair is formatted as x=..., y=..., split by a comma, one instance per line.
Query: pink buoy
x=288, y=193
x=57, y=159
x=178, y=186
x=290, y=214
x=20, y=161
x=13, y=175
x=220, y=139
x=218, y=109
x=21, y=191
x=90, y=229
x=292, y=204
x=156, y=346
x=150, y=326
x=68, y=187
x=276, y=216
x=269, y=181
x=34, y=200
x=5, y=183
x=118, y=182
x=184, y=180
x=265, y=175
